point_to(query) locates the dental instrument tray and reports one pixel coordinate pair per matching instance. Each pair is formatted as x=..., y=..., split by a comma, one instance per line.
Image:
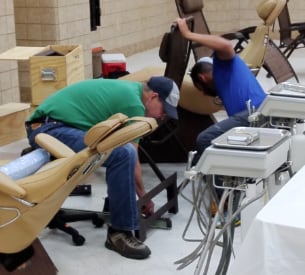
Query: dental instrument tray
x=288, y=89
x=250, y=138
x=285, y=100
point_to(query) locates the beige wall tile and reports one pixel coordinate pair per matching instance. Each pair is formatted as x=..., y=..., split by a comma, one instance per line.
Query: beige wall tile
x=10, y=95
x=19, y=3
x=48, y=3
x=9, y=90
x=21, y=15
x=32, y=3
x=49, y=32
x=50, y=15
x=34, y=32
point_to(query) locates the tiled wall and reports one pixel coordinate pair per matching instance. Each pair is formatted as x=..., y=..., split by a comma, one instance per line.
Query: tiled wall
x=223, y=15
x=127, y=26
x=9, y=87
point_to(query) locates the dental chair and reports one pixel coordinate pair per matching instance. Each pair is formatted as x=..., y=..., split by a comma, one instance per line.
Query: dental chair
x=288, y=41
x=194, y=108
x=174, y=52
x=256, y=55
x=194, y=8
x=28, y=204
x=277, y=65
x=251, y=160
x=254, y=52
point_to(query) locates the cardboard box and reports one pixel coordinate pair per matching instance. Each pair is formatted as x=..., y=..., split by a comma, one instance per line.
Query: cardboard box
x=44, y=70
x=12, y=119
x=112, y=63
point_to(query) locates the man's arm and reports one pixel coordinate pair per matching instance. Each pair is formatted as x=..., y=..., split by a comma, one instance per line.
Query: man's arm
x=223, y=48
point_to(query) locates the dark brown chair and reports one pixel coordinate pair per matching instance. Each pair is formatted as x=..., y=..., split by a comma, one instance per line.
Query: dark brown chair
x=194, y=8
x=287, y=41
x=277, y=65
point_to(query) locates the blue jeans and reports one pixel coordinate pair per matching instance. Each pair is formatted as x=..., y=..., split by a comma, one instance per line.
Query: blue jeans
x=205, y=138
x=120, y=172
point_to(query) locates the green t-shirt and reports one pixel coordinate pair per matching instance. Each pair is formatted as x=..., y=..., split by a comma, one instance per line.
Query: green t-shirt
x=85, y=103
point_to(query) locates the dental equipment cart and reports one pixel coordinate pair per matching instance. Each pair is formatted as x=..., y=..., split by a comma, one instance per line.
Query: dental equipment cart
x=244, y=158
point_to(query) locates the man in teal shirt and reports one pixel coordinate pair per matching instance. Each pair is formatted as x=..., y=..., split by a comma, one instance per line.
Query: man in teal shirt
x=70, y=112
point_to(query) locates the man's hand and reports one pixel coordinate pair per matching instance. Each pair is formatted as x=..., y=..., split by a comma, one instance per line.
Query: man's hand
x=148, y=209
x=183, y=27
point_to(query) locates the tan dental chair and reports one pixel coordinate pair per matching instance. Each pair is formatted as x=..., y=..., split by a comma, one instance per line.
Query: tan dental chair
x=254, y=53
x=27, y=205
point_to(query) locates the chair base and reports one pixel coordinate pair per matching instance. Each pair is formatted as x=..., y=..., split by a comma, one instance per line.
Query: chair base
x=169, y=185
x=171, y=206
x=33, y=260
x=155, y=221
x=65, y=216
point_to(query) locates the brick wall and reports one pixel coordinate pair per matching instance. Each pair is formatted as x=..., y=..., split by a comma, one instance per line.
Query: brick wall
x=9, y=88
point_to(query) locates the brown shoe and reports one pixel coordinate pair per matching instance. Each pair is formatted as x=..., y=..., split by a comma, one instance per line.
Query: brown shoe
x=213, y=208
x=127, y=245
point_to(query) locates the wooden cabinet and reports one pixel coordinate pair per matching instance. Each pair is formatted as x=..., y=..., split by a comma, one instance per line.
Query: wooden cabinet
x=44, y=70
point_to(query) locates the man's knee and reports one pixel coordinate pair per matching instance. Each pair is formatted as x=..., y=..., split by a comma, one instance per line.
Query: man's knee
x=125, y=152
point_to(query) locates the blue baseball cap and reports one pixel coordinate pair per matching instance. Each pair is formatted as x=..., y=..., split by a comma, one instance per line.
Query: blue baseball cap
x=168, y=93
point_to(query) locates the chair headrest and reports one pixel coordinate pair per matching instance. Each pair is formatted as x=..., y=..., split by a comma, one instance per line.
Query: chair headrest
x=99, y=131
x=190, y=6
x=269, y=10
x=138, y=127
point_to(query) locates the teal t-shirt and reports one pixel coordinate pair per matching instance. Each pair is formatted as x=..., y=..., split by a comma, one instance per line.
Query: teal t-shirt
x=85, y=103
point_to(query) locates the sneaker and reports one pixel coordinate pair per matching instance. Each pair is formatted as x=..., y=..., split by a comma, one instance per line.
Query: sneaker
x=237, y=222
x=127, y=245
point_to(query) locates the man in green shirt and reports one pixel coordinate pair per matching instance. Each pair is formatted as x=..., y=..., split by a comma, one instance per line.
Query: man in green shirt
x=70, y=112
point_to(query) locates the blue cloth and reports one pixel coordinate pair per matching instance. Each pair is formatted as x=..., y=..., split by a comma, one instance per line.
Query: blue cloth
x=120, y=172
x=235, y=84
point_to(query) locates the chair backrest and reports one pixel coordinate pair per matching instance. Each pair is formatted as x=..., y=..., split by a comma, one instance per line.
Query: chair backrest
x=254, y=53
x=292, y=34
x=284, y=27
x=194, y=8
x=175, y=52
x=277, y=64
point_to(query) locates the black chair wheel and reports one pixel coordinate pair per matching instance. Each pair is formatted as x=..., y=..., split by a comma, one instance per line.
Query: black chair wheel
x=98, y=221
x=78, y=240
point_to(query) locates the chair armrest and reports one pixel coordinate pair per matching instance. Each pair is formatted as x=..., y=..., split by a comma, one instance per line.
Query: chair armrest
x=240, y=34
x=234, y=35
x=52, y=145
x=300, y=27
x=10, y=187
